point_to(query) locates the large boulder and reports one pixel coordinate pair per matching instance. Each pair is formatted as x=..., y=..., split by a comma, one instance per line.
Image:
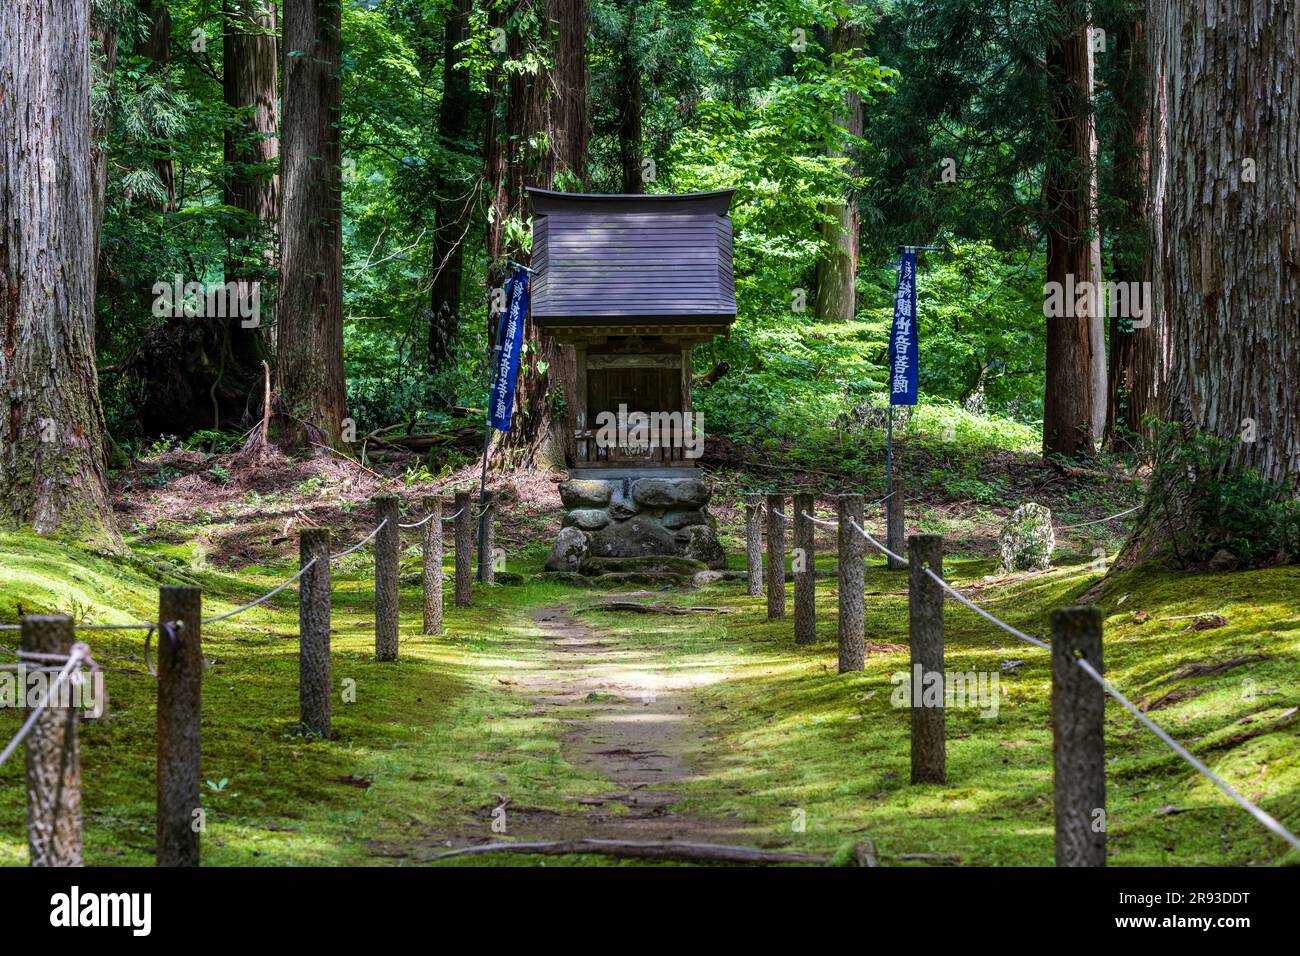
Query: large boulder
x=676, y=520
x=699, y=543
x=621, y=505
x=670, y=492
x=632, y=539
x=571, y=549
x=584, y=493
x=587, y=519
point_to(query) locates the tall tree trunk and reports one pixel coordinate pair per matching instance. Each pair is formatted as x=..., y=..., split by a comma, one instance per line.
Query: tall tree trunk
x=497, y=149
x=629, y=107
x=250, y=84
x=52, y=460
x=1097, y=321
x=309, y=339
x=566, y=107
x=160, y=52
x=1134, y=383
x=103, y=37
x=1067, y=404
x=1228, y=208
x=454, y=194
x=554, y=103
x=251, y=87
x=837, y=270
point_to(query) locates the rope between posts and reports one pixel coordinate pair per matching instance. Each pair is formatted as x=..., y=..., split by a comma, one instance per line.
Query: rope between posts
x=1264, y=818
x=423, y=520
x=1084, y=524
x=80, y=652
x=1260, y=815
x=268, y=595
x=361, y=543
x=417, y=524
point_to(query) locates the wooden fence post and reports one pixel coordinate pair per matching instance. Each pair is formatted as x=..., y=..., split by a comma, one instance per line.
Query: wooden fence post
x=852, y=573
x=433, y=565
x=1078, y=738
x=775, y=556
x=464, y=549
x=805, y=552
x=387, y=552
x=180, y=694
x=754, y=544
x=895, y=533
x=926, y=676
x=487, y=524
x=52, y=755
x=314, y=631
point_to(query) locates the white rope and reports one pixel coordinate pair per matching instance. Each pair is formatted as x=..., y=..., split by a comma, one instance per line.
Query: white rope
x=1084, y=524
x=815, y=520
x=80, y=652
x=416, y=524
x=985, y=614
x=879, y=546
x=1264, y=818
x=361, y=543
x=456, y=515
x=265, y=597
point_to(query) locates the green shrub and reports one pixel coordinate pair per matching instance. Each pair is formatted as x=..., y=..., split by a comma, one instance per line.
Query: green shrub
x=1205, y=504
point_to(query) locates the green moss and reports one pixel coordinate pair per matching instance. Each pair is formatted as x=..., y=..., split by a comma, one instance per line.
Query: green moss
x=438, y=735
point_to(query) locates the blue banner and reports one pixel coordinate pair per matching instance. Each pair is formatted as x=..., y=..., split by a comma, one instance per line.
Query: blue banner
x=510, y=340
x=904, y=348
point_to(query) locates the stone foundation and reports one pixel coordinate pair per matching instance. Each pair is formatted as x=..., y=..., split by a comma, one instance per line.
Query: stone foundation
x=635, y=518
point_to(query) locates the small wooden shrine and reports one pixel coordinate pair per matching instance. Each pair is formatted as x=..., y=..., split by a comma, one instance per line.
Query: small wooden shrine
x=633, y=283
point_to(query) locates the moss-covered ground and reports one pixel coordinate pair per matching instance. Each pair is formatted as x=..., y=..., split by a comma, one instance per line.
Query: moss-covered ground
x=433, y=742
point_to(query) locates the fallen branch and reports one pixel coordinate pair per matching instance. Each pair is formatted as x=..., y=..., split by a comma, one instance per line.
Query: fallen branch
x=630, y=849
x=654, y=608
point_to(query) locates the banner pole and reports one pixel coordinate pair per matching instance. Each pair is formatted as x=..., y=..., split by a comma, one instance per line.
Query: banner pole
x=487, y=440
x=889, y=477
x=482, y=488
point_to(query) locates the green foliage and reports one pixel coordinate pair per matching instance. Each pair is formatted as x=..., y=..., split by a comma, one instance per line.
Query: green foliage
x=1205, y=503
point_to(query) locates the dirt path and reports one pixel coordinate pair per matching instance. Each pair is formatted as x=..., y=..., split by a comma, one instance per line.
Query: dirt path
x=629, y=719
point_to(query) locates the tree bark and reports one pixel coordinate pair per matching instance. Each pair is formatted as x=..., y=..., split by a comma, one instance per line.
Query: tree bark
x=1067, y=404
x=629, y=108
x=1097, y=370
x=160, y=52
x=1133, y=381
x=52, y=455
x=496, y=131
x=309, y=336
x=554, y=103
x=251, y=86
x=104, y=53
x=837, y=270
x=453, y=203
x=252, y=150
x=1228, y=223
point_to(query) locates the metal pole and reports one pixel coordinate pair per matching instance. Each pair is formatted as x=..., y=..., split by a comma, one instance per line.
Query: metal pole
x=487, y=438
x=894, y=546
